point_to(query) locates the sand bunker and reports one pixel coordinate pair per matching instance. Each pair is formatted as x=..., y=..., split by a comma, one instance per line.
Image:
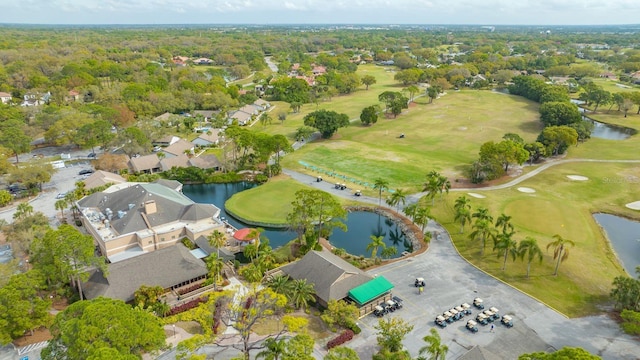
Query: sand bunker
x=578, y=177
x=526, y=190
x=478, y=196
x=634, y=205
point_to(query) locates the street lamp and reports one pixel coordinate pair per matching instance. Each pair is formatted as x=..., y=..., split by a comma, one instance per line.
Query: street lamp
x=174, y=330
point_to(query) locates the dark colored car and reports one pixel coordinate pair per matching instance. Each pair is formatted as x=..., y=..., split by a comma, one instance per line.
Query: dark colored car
x=85, y=172
x=92, y=155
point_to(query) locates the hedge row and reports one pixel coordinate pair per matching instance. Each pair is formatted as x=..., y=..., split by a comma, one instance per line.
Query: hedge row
x=341, y=339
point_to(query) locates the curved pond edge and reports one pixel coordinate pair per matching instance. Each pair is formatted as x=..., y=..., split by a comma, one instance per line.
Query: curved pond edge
x=607, y=240
x=253, y=222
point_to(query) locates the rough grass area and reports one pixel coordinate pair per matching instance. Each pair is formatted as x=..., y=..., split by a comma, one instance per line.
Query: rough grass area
x=316, y=328
x=559, y=206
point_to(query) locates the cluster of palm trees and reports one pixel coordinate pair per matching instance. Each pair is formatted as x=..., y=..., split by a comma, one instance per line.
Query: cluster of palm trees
x=501, y=233
x=299, y=292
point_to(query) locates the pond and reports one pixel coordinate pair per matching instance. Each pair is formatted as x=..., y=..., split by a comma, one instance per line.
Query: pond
x=602, y=130
x=360, y=224
x=624, y=236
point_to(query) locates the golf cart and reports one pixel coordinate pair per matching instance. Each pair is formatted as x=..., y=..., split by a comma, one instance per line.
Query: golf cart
x=390, y=305
x=379, y=311
x=477, y=302
x=440, y=321
x=398, y=302
x=448, y=317
x=460, y=311
x=495, y=312
x=482, y=319
x=357, y=193
x=319, y=179
x=419, y=282
x=455, y=314
x=467, y=308
x=472, y=326
x=489, y=314
x=507, y=321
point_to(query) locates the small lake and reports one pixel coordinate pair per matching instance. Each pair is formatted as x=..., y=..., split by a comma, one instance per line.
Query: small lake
x=624, y=235
x=602, y=130
x=360, y=224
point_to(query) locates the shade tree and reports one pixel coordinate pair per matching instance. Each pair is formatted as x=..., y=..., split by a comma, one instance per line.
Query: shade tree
x=327, y=122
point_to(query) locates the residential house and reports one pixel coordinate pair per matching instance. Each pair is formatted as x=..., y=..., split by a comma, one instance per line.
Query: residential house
x=179, y=147
x=331, y=276
x=170, y=268
x=166, y=141
x=164, y=117
x=241, y=117
x=5, y=98
x=262, y=105
x=206, y=162
x=72, y=96
x=178, y=161
x=210, y=138
x=131, y=219
x=608, y=75
x=180, y=60
x=102, y=178
x=35, y=99
x=203, y=61
x=318, y=70
x=206, y=114
x=147, y=164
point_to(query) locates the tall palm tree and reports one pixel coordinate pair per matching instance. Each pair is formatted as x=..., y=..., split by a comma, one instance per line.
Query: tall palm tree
x=381, y=185
x=506, y=246
x=250, y=251
x=482, y=213
x=462, y=202
x=376, y=243
x=273, y=349
x=23, y=210
x=214, y=264
x=432, y=186
x=435, y=348
x=529, y=248
x=444, y=185
x=422, y=216
x=302, y=293
x=410, y=210
x=504, y=222
x=61, y=205
x=560, y=250
x=388, y=252
x=482, y=231
x=217, y=239
x=463, y=215
x=396, y=198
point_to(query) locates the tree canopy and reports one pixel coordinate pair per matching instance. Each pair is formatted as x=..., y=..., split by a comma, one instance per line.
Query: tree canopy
x=326, y=121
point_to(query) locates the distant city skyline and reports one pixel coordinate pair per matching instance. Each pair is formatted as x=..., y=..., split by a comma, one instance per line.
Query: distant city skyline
x=481, y=12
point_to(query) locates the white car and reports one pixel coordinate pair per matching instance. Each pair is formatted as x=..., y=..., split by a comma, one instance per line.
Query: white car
x=61, y=195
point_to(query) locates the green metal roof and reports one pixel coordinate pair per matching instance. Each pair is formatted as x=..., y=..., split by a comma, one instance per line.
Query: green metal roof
x=370, y=290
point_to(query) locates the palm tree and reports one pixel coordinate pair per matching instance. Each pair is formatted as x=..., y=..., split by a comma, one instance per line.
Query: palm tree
x=61, y=205
x=432, y=186
x=462, y=202
x=376, y=242
x=273, y=349
x=506, y=246
x=410, y=210
x=214, y=264
x=381, y=185
x=444, y=185
x=302, y=293
x=560, y=250
x=388, y=252
x=396, y=198
x=482, y=231
x=279, y=284
x=504, y=222
x=23, y=210
x=529, y=248
x=463, y=215
x=435, y=348
x=423, y=214
x=483, y=214
x=217, y=239
x=250, y=251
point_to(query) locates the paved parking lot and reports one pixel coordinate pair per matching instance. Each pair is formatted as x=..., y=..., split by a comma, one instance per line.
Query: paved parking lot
x=452, y=281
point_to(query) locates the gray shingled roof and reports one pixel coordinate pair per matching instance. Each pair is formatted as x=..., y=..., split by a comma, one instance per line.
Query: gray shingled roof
x=165, y=267
x=127, y=205
x=331, y=276
x=179, y=147
x=146, y=162
x=203, y=244
x=205, y=161
x=171, y=184
x=479, y=353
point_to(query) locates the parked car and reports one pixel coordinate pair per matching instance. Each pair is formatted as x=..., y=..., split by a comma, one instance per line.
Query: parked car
x=507, y=321
x=477, y=302
x=86, y=172
x=472, y=326
x=61, y=195
x=92, y=155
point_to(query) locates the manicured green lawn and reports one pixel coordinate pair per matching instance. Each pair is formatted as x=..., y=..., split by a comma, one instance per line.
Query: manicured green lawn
x=614, y=86
x=559, y=206
x=270, y=202
x=443, y=135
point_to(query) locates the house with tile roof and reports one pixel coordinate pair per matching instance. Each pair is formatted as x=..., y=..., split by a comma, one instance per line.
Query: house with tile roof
x=5, y=98
x=131, y=219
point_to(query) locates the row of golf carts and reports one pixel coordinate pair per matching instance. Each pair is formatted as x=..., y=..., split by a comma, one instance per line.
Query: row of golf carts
x=387, y=307
x=484, y=317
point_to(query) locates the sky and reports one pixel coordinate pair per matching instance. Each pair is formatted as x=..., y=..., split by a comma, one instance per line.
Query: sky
x=482, y=12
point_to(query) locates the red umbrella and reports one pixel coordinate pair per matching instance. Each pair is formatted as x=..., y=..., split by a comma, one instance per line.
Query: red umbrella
x=246, y=234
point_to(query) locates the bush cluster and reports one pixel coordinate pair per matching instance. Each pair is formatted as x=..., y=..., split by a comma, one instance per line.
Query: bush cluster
x=189, y=289
x=341, y=339
x=187, y=306
x=353, y=327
